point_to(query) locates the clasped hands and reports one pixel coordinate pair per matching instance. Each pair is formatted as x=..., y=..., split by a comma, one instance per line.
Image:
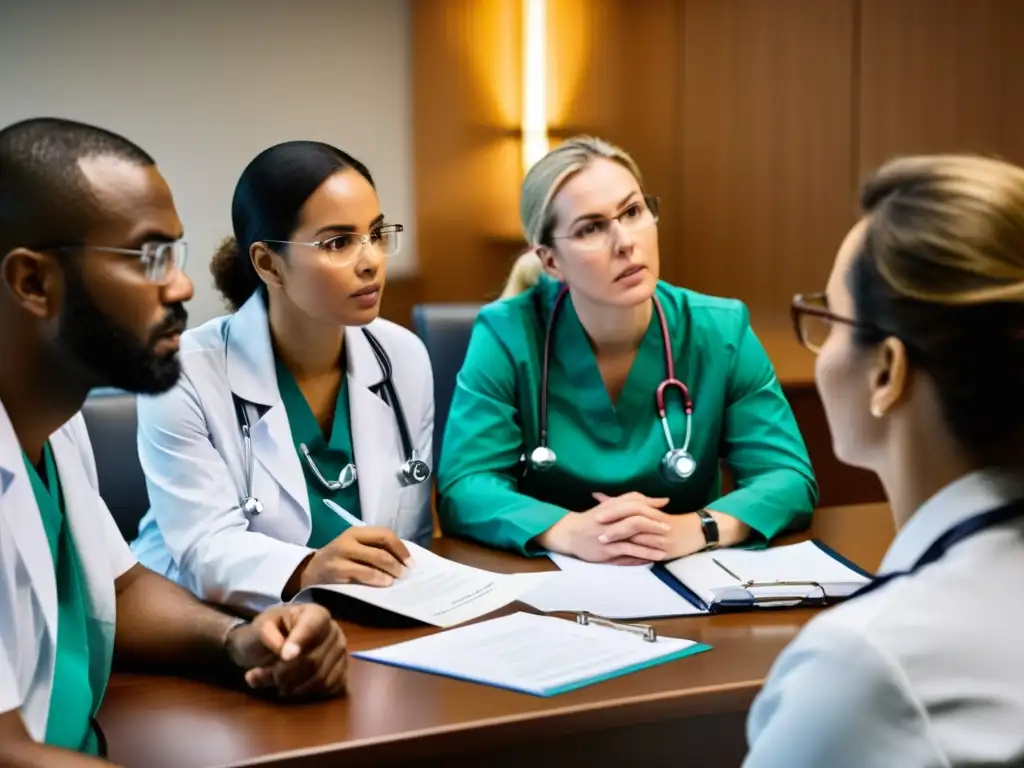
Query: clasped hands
x=296, y=650
x=630, y=529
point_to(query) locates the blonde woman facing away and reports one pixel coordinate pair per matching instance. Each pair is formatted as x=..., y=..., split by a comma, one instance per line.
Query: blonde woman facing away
x=920, y=341
x=595, y=401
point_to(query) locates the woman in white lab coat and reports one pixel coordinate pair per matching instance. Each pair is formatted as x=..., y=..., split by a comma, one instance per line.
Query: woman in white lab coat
x=295, y=450
x=920, y=336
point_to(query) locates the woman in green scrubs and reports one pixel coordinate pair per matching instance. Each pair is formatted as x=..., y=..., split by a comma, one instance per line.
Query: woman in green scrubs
x=594, y=235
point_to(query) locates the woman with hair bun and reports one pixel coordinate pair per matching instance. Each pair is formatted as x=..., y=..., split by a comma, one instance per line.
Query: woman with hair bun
x=596, y=400
x=296, y=448
x=920, y=342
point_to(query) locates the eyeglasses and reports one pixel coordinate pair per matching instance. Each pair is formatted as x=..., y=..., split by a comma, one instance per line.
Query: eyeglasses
x=595, y=234
x=161, y=261
x=812, y=320
x=345, y=249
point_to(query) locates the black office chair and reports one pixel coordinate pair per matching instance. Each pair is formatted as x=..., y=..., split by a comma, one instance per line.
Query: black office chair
x=445, y=330
x=110, y=417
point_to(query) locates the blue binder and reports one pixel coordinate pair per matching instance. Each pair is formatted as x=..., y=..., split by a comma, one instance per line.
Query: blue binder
x=732, y=606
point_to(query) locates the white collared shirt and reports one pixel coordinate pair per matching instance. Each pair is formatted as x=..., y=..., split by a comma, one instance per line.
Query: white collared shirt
x=927, y=670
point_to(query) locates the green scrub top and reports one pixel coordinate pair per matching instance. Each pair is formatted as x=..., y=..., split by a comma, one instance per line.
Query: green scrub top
x=739, y=415
x=331, y=455
x=81, y=668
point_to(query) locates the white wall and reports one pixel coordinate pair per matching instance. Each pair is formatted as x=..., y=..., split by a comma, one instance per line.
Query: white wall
x=205, y=86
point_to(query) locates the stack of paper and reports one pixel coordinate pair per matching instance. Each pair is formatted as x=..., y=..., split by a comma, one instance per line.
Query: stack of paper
x=612, y=591
x=540, y=655
x=438, y=591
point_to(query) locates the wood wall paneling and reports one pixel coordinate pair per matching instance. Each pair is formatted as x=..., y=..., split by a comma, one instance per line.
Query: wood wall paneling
x=940, y=76
x=466, y=76
x=614, y=74
x=765, y=101
x=401, y=294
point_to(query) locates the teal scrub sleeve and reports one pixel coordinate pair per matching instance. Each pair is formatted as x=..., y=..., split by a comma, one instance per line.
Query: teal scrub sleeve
x=775, y=485
x=477, y=478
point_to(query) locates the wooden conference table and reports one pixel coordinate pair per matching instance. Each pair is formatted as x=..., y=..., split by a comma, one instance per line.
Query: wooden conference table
x=688, y=712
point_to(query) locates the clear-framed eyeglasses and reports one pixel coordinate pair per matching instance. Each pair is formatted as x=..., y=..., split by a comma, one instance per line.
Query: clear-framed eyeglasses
x=345, y=249
x=595, y=234
x=160, y=261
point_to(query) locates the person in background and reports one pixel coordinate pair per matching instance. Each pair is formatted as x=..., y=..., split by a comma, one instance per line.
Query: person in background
x=557, y=441
x=920, y=342
x=302, y=412
x=91, y=294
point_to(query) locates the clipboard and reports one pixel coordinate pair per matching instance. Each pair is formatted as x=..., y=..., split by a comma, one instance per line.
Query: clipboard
x=526, y=652
x=816, y=595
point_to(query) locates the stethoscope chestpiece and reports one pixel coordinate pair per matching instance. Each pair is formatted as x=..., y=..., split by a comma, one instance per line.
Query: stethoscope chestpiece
x=251, y=506
x=415, y=471
x=677, y=465
x=542, y=458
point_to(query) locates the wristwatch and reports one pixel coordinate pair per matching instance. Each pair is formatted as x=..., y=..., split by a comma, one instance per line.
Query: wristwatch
x=709, y=527
x=235, y=624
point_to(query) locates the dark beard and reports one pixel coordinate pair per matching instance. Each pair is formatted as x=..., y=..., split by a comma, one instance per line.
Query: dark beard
x=111, y=356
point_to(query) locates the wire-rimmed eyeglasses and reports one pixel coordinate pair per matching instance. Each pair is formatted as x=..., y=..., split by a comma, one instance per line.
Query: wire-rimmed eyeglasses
x=812, y=320
x=346, y=248
x=594, y=234
x=160, y=260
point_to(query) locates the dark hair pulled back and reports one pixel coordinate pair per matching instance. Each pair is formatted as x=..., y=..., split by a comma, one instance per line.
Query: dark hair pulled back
x=268, y=199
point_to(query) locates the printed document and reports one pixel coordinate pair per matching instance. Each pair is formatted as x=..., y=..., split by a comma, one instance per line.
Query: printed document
x=612, y=591
x=438, y=591
x=540, y=655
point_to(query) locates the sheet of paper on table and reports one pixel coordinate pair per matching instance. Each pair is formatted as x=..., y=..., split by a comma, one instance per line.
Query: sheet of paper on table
x=438, y=591
x=612, y=591
x=540, y=655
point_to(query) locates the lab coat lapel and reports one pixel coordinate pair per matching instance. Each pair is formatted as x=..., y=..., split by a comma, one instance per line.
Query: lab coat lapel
x=274, y=450
x=22, y=518
x=252, y=377
x=374, y=433
x=81, y=505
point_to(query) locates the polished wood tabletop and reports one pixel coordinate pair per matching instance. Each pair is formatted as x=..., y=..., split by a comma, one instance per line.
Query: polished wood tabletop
x=394, y=716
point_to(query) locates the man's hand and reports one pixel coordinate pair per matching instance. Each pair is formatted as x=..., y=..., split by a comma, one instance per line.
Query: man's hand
x=297, y=649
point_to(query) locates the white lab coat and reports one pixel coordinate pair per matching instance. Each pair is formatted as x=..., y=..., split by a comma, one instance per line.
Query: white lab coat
x=192, y=451
x=28, y=587
x=926, y=671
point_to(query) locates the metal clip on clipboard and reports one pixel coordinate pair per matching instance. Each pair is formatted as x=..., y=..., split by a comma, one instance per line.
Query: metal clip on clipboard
x=649, y=634
x=769, y=599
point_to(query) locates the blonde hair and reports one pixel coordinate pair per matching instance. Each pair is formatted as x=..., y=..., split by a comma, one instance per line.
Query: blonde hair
x=949, y=228
x=941, y=267
x=542, y=183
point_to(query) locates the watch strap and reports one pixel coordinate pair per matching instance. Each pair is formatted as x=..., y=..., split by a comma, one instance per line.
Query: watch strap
x=709, y=527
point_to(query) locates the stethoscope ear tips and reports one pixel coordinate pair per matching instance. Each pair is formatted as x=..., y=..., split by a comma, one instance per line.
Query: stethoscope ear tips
x=542, y=458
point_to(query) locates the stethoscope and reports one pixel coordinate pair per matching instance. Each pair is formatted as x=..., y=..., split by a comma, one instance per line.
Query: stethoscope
x=677, y=464
x=413, y=471
x=952, y=537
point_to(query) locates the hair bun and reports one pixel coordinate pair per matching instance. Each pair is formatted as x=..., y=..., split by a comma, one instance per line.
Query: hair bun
x=233, y=273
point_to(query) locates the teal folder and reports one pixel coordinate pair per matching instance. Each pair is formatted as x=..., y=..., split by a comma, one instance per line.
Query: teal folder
x=537, y=655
